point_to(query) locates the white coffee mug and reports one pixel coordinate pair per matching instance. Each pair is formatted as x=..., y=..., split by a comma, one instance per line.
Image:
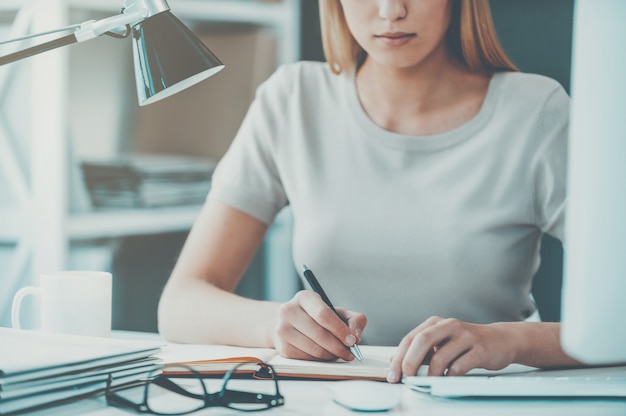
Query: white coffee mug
x=72, y=302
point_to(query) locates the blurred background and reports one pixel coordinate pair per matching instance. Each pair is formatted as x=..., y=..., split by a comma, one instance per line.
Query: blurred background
x=89, y=180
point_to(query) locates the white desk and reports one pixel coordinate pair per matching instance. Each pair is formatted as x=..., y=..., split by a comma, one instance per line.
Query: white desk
x=314, y=398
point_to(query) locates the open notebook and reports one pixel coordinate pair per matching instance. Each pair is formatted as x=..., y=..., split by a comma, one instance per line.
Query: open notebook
x=522, y=381
x=216, y=359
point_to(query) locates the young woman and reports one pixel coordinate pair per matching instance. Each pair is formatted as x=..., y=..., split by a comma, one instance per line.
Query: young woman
x=421, y=169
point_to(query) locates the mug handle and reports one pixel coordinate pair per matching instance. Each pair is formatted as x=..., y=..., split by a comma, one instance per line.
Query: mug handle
x=17, y=303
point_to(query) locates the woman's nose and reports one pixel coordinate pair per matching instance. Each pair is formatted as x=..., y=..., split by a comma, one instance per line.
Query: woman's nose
x=392, y=9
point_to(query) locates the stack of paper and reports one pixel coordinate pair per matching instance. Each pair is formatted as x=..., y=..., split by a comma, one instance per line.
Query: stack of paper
x=39, y=369
x=148, y=181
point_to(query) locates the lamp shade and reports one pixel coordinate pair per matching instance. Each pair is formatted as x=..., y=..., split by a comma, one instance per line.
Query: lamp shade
x=168, y=58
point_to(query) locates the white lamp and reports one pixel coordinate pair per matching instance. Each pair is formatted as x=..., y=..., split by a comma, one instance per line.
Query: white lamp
x=168, y=57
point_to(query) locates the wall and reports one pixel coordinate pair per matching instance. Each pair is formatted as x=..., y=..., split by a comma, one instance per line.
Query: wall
x=537, y=35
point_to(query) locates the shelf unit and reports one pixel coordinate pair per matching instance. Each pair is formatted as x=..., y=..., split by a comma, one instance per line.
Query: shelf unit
x=39, y=224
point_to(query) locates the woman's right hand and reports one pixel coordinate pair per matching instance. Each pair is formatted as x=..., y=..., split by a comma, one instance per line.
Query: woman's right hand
x=308, y=329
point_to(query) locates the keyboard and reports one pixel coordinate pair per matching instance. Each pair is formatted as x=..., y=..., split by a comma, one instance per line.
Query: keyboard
x=519, y=386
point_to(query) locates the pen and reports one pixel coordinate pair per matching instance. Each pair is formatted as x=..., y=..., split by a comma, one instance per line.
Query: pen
x=317, y=288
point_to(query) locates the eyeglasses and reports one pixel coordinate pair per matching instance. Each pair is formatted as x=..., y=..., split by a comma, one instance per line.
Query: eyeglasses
x=183, y=390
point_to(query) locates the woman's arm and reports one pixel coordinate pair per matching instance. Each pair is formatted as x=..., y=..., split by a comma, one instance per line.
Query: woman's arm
x=454, y=347
x=198, y=304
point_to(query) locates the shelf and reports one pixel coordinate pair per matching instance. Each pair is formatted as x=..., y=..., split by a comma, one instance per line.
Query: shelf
x=109, y=223
x=118, y=223
x=10, y=5
x=281, y=15
x=255, y=12
x=40, y=228
x=12, y=228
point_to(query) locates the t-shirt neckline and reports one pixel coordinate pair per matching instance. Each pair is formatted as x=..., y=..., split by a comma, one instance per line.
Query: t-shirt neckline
x=434, y=142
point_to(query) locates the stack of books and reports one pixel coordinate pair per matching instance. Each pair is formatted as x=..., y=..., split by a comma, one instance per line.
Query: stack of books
x=39, y=369
x=148, y=181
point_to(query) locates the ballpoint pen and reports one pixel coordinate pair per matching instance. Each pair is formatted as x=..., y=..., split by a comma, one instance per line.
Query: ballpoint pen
x=317, y=288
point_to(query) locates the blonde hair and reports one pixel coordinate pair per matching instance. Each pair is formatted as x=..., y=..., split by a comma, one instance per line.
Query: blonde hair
x=471, y=38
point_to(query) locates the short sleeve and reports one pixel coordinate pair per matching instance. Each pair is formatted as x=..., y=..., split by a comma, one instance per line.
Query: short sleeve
x=247, y=177
x=549, y=168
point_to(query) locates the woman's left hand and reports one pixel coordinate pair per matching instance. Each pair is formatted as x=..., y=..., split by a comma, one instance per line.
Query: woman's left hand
x=452, y=347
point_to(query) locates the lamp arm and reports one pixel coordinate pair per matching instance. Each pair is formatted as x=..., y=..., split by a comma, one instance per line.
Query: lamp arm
x=92, y=28
x=85, y=31
x=34, y=50
x=34, y=35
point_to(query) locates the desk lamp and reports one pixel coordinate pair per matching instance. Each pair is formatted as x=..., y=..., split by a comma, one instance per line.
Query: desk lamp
x=168, y=57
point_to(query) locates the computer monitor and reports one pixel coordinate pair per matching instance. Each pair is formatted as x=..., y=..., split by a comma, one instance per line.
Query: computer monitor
x=594, y=282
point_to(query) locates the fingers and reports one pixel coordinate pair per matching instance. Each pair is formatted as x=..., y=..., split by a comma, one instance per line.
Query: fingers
x=309, y=329
x=356, y=321
x=450, y=347
x=447, y=354
x=412, y=353
x=463, y=364
x=298, y=349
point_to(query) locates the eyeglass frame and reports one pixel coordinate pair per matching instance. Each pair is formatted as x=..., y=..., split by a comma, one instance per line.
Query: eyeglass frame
x=224, y=398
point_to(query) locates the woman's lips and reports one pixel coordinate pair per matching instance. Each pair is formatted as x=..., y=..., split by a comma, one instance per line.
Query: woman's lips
x=395, y=38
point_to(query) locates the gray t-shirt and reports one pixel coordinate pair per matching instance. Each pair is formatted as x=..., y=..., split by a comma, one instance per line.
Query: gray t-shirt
x=405, y=227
